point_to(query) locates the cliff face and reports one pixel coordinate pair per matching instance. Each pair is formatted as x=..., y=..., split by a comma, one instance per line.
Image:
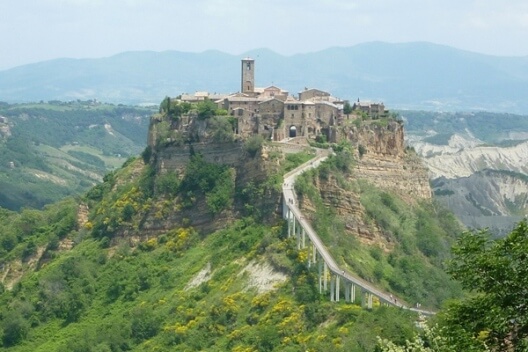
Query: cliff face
x=484, y=185
x=381, y=160
x=384, y=161
x=347, y=206
x=493, y=199
x=246, y=171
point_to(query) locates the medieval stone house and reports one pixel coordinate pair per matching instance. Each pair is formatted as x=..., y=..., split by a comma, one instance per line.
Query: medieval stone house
x=273, y=112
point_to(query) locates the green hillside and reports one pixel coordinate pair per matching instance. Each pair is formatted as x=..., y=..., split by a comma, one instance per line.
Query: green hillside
x=421, y=235
x=55, y=149
x=98, y=282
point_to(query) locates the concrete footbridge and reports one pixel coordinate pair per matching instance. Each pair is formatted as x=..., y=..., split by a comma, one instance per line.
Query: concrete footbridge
x=332, y=278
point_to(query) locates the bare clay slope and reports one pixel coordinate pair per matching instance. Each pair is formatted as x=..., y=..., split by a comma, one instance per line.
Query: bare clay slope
x=477, y=164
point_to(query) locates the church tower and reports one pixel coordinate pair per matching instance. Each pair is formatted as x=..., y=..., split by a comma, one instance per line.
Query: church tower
x=248, y=76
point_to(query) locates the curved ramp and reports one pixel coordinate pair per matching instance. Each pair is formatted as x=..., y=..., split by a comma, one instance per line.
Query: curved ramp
x=331, y=276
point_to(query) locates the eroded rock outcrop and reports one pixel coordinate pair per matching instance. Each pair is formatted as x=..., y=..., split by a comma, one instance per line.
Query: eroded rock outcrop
x=384, y=160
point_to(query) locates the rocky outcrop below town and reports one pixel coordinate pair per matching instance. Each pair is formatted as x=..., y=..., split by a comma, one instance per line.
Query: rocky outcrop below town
x=383, y=159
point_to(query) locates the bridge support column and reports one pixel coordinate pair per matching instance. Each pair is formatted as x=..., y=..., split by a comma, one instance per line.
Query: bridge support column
x=363, y=303
x=337, y=288
x=325, y=274
x=309, y=259
x=288, y=218
x=293, y=226
x=303, y=238
x=298, y=239
x=320, y=271
x=350, y=292
x=314, y=253
x=369, y=300
x=332, y=288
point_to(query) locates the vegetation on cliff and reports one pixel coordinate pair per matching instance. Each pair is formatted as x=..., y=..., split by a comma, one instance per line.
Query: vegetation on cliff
x=243, y=288
x=413, y=239
x=157, y=258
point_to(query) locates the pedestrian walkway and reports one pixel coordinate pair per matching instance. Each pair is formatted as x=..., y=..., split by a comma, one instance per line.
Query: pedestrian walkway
x=332, y=278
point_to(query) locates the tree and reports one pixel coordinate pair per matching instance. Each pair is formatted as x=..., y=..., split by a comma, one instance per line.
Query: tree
x=206, y=109
x=253, y=145
x=14, y=328
x=347, y=108
x=496, y=273
x=221, y=130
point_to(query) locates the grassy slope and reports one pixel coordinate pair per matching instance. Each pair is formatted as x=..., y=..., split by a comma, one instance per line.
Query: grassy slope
x=61, y=149
x=420, y=234
x=94, y=298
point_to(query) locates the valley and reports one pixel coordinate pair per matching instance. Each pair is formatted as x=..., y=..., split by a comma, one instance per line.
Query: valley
x=477, y=164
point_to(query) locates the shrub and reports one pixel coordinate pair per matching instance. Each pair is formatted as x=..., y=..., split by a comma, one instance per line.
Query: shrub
x=253, y=145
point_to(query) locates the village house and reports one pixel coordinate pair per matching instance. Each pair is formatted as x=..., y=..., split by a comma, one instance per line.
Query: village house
x=274, y=113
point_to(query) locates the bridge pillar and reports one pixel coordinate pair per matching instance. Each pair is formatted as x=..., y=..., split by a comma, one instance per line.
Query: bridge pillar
x=309, y=260
x=337, y=288
x=320, y=271
x=314, y=252
x=366, y=299
x=363, y=303
x=294, y=231
x=347, y=291
x=325, y=274
x=298, y=238
x=288, y=219
x=332, y=288
x=303, y=238
x=352, y=292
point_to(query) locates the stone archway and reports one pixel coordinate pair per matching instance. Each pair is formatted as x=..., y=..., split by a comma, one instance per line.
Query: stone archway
x=293, y=132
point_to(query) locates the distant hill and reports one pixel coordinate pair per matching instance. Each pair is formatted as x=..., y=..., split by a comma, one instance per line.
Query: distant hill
x=405, y=76
x=51, y=150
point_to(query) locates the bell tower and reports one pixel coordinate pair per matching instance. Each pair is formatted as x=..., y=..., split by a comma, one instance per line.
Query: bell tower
x=248, y=76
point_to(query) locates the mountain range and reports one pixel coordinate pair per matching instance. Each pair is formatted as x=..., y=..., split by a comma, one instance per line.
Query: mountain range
x=416, y=75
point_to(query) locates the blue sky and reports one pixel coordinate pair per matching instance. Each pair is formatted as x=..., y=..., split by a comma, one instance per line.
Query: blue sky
x=37, y=30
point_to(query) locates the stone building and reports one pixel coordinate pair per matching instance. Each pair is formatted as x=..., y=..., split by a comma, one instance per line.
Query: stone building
x=274, y=113
x=248, y=76
x=373, y=110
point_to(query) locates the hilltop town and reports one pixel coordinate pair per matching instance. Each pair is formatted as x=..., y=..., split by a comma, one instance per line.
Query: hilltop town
x=275, y=114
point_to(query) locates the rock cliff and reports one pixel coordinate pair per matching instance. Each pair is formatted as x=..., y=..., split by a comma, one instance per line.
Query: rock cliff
x=485, y=186
x=381, y=159
x=384, y=160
